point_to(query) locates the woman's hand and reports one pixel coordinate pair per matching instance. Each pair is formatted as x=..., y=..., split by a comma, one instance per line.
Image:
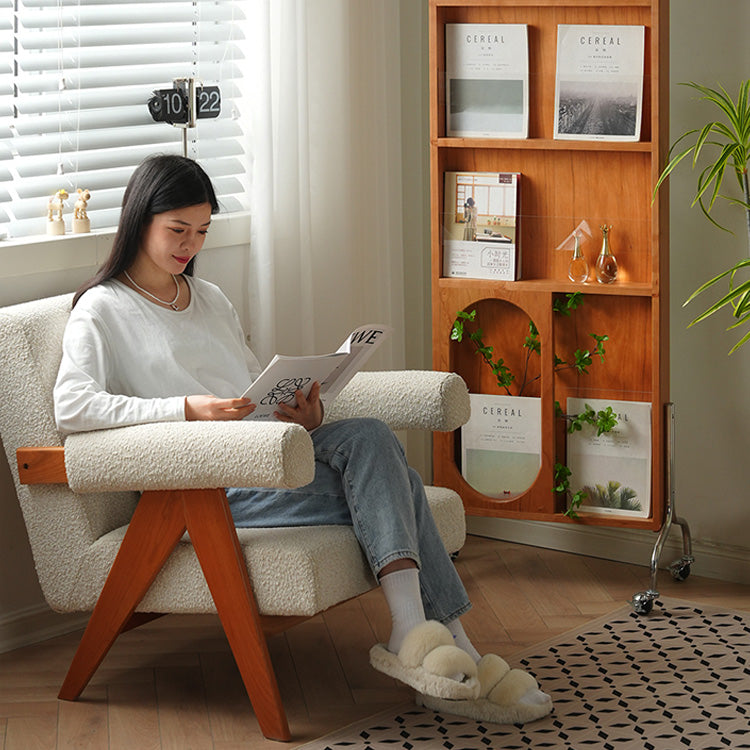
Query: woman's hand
x=212, y=408
x=308, y=412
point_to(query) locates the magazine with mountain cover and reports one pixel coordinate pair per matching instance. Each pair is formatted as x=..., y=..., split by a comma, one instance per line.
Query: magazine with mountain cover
x=599, y=82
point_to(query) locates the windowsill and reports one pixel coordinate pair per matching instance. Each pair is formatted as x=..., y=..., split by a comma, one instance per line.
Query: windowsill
x=46, y=254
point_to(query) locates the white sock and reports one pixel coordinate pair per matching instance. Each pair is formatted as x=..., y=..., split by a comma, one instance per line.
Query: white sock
x=404, y=599
x=462, y=640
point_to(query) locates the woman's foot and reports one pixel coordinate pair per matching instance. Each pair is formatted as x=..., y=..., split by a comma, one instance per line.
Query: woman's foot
x=429, y=662
x=506, y=696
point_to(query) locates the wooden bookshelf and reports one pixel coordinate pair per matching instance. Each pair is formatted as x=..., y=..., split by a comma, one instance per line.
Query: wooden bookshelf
x=563, y=182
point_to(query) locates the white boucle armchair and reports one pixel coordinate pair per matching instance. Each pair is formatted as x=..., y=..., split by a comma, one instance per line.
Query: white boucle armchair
x=132, y=522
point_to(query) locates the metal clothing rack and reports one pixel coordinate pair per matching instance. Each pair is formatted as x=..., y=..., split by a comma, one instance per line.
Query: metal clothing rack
x=643, y=601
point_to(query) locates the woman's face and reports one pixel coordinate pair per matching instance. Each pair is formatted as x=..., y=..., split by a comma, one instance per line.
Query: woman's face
x=174, y=237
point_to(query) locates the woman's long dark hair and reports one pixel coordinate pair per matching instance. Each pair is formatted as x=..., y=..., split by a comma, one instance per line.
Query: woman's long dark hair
x=161, y=183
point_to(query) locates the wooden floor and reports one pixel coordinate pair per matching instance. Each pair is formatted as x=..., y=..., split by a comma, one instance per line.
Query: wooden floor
x=173, y=684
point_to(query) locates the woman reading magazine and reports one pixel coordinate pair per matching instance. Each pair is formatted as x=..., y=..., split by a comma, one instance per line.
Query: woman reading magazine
x=147, y=341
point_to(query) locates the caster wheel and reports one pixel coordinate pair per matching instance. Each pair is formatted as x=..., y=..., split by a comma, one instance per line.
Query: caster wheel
x=642, y=603
x=680, y=571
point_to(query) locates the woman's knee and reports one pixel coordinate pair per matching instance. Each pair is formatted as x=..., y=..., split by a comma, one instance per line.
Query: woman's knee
x=370, y=429
x=363, y=437
x=379, y=434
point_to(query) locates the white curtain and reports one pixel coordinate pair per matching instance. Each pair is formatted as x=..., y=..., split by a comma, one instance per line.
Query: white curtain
x=327, y=243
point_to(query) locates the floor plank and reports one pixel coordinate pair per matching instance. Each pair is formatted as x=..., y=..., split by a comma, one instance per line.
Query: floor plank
x=172, y=684
x=318, y=667
x=83, y=724
x=183, y=716
x=31, y=733
x=352, y=638
x=133, y=716
x=230, y=712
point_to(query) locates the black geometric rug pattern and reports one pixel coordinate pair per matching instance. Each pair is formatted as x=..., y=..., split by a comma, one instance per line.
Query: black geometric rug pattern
x=678, y=678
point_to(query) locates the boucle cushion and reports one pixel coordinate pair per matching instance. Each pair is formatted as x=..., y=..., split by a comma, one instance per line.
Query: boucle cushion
x=407, y=399
x=294, y=571
x=190, y=455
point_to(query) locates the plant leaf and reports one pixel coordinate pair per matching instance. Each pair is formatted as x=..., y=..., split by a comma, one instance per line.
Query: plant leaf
x=711, y=282
x=742, y=341
x=722, y=302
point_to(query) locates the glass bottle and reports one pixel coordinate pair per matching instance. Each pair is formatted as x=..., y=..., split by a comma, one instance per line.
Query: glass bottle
x=578, y=268
x=606, y=264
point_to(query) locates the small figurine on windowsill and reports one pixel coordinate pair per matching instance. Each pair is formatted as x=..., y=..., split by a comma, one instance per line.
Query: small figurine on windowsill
x=81, y=222
x=55, y=221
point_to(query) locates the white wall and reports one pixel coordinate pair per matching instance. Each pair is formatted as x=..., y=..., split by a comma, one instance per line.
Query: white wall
x=708, y=45
x=415, y=158
x=709, y=388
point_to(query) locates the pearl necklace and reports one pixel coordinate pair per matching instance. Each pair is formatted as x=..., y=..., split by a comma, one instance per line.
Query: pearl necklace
x=153, y=296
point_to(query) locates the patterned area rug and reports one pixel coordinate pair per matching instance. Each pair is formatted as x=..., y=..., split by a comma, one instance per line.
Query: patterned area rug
x=677, y=678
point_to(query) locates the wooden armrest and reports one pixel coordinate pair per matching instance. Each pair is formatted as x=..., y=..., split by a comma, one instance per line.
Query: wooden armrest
x=41, y=465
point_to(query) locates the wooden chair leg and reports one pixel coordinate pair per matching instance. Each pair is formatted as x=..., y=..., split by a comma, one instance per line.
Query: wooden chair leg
x=154, y=530
x=212, y=532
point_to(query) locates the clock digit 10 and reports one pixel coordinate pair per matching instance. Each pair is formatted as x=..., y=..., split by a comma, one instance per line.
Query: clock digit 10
x=171, y=105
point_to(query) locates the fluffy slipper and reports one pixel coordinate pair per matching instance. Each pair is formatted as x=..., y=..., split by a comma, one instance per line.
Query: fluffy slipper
x=507, y=696
x=429, y=662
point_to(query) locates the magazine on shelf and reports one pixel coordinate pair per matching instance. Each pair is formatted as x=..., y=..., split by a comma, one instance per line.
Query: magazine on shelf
x=613, y=469
x=481, y=228
x=487, y=80
x=599, y=82
x=501, y=444
x=285, y=375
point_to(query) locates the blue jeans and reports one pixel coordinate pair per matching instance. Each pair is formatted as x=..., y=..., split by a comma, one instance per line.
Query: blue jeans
x=362, y=480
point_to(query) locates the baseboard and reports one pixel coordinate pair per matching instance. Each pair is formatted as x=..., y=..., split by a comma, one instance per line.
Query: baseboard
x=624, y=545
x=36, y=624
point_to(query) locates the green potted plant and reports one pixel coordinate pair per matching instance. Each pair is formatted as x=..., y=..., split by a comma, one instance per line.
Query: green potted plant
x=729, y=141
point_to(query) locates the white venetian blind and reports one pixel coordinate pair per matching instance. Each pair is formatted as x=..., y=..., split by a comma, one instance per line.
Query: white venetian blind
x=75, y=79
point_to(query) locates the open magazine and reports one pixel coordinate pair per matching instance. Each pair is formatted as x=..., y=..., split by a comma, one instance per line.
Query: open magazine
x=285, y=375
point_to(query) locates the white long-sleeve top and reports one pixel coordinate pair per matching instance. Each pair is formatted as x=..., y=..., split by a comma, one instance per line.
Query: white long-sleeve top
x=129, y=361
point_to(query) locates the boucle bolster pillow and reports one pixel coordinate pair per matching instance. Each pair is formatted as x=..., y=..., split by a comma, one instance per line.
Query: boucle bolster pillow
x=190, y=455
x=405, y=399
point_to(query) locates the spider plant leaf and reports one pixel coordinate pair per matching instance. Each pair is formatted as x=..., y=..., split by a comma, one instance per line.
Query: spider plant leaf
x=702, y=139
x=736, y=202
x=742, y=308
x=726, y=299
x=711, y=282
x=673, y=147
x=714, y=173
x=740, y=343
x=706, y=213
x=721, y=99
x=674, y=161
x=740, y=322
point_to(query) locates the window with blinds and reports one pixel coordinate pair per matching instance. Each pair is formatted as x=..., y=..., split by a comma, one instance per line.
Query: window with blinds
x=75, y=79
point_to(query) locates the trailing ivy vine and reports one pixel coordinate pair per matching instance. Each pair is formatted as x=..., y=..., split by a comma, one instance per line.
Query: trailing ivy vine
x=603, y=420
